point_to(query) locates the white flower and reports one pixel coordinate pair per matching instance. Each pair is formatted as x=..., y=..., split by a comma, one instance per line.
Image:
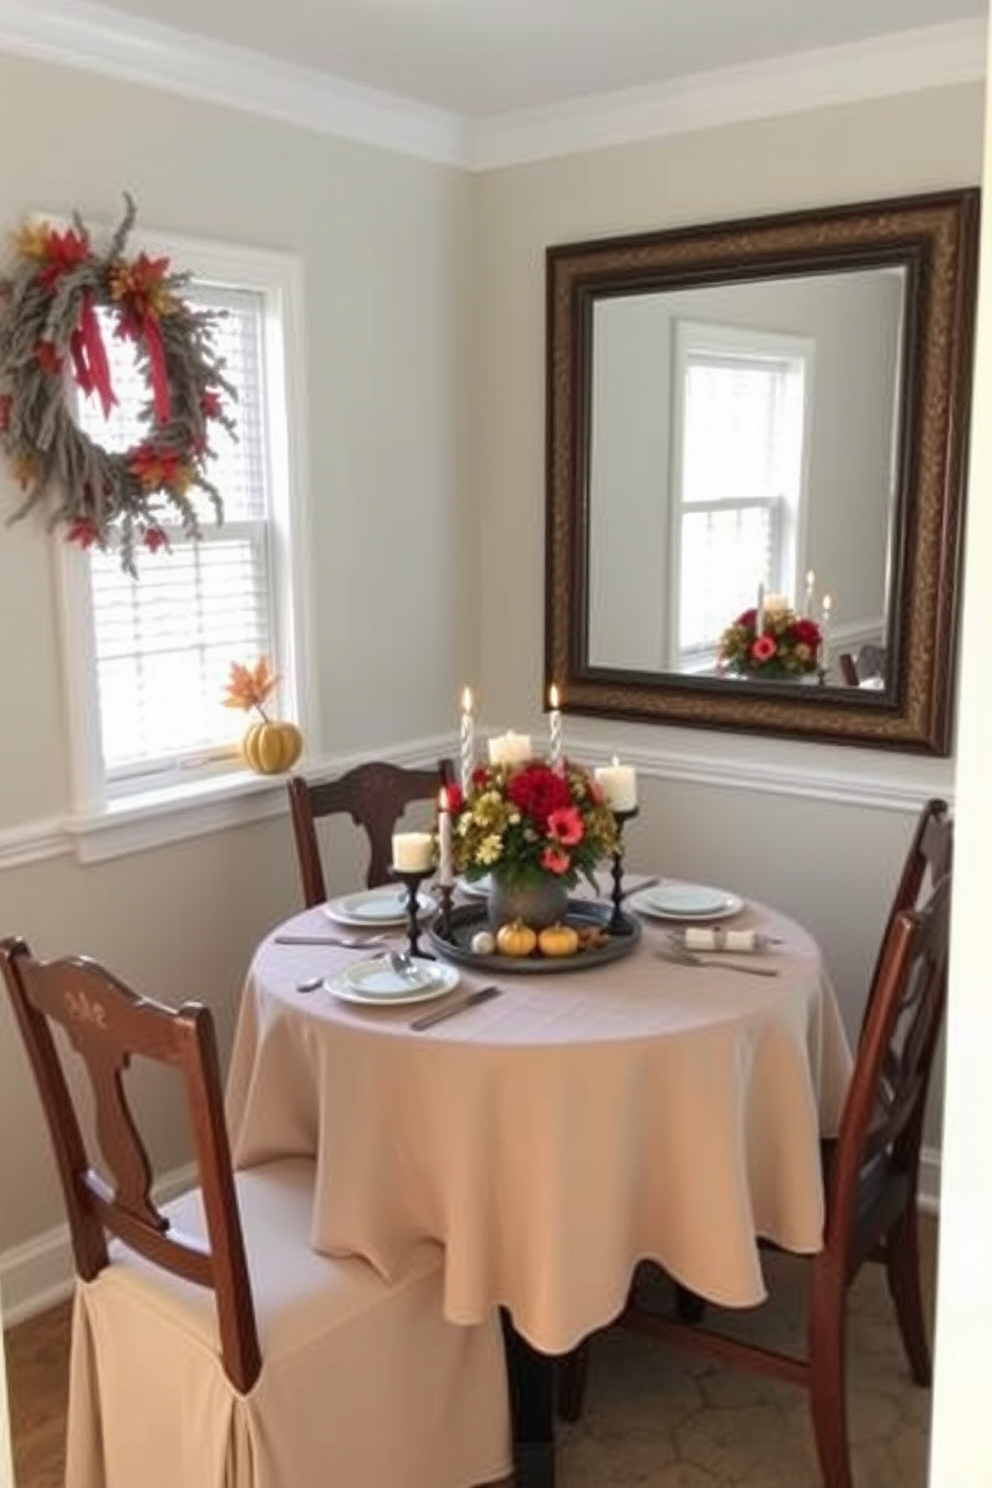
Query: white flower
x=490, y=849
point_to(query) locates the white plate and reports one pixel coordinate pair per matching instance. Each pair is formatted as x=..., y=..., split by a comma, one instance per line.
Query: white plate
x=683, y=901
x=376, y=984
x=385, y=906
x=476, y=888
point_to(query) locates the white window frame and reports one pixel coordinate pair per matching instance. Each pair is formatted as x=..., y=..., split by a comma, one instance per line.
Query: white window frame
x=700, y=337
x=110, y=818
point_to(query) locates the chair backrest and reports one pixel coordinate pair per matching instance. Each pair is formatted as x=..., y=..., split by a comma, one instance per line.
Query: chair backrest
x=848, y=669
x=107, y=1024
x=928, y=859
x=375, y=796
x=883, y=1113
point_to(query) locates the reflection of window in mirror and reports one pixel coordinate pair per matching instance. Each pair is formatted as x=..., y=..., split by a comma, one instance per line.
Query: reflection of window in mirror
x=741, y=416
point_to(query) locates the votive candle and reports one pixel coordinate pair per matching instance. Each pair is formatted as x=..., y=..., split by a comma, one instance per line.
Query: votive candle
x=509, y=749
x=446, y=871
x=413, y=852
x=467, y=741
x=555, y=742
x=619, y=785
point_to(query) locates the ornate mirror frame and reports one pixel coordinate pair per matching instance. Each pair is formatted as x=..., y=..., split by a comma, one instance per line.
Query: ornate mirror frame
x=934, y=239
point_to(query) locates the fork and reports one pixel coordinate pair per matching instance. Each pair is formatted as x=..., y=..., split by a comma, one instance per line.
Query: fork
x=679, y=957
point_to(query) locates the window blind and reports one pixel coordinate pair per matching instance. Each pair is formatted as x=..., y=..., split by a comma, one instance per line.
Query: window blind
x=164, y=643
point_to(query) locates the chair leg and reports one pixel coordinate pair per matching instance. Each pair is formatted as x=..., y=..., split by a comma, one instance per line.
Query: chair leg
x=902, y=1269
x=828, y=1397
x=689, y=1306
x=573, y=1376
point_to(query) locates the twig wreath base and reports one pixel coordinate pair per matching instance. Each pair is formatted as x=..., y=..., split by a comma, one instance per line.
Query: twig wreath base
x=50, y=332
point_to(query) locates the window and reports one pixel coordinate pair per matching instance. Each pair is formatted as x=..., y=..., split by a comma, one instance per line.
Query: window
x=743, y=399
x=147, y=660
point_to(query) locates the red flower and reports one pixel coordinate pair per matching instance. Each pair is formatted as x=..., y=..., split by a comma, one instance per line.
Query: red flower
x=807, y=633
x=154, y=539
x=62, y=251
x=763, y=648
x=480, y=777
x=554, y=860
x=48, y=358
x=210, y=405
x=747, y=619
x=455, y=798
x=565, y=826
x=537, y=791
x=83, y=531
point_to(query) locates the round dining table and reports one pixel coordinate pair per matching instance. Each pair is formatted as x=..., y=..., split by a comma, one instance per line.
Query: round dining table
x=556, y=1135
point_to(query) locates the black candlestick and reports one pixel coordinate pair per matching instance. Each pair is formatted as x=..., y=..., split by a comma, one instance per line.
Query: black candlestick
x=413, y=878
x=446, y=892
x=616, y=924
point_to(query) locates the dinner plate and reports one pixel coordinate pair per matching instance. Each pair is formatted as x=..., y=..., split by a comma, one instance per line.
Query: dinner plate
x=385, y=906
x=376, y=984
x=685, y=901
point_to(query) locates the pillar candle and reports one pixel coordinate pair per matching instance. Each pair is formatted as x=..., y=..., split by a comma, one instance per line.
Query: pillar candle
x=446, y=872
x=509, y=749
x=619, y=785
x=413, y=852
x=555, y=742
x=467, y=741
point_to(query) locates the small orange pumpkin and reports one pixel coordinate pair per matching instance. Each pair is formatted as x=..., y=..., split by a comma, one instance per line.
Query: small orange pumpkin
x=516, y=939
x=558, y=940
x=270, y=747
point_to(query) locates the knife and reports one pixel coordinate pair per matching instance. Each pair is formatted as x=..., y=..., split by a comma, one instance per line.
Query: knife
x=481, y=994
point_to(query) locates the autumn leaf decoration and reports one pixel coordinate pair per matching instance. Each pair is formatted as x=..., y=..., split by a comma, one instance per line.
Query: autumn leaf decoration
x=251, y=687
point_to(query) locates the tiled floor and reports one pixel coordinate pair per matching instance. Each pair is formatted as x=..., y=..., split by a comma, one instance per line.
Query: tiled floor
x=655, y=1417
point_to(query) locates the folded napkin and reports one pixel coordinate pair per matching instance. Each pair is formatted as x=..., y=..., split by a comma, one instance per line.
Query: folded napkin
x=716, y=938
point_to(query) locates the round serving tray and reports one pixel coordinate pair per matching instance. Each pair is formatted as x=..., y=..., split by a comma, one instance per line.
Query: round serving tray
x=470, y=918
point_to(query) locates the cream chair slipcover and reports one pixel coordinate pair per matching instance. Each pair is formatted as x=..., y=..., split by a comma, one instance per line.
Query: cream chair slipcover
x=363, y=1383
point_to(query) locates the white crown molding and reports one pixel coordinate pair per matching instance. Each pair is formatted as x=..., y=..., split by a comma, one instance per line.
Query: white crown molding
x=883, y=66
x=95, y=38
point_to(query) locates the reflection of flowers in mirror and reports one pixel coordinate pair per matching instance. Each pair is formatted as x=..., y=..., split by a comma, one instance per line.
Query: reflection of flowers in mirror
x=787, y=645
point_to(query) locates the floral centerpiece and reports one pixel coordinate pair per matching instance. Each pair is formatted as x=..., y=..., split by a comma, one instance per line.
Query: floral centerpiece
x=785, y=645
x=529, y=827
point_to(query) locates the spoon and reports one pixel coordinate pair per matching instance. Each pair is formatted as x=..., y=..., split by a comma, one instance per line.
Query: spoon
x=310, y=985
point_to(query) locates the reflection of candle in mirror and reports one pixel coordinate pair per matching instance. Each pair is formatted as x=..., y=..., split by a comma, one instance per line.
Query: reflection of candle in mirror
x=509, y=749
x=555, y=759
x=810, y=581
x=619, y=785
x=446, y=872
x=467, y=741
x=413, y=852
x=759, y=614
x=828, y=605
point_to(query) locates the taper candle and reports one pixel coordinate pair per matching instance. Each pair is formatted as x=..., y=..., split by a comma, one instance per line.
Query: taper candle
x=555, y=743
x=810, y=581
x=446, y=871
x=759, y=614
x=467, y=741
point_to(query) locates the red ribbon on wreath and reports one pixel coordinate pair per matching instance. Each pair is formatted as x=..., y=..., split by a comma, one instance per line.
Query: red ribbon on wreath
x=89, y=357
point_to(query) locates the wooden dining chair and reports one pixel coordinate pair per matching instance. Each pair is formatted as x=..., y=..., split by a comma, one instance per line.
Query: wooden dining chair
x=928, y=859
x=848, y=669
x=871, y=1173
x=375, y=796
x=210, y=1344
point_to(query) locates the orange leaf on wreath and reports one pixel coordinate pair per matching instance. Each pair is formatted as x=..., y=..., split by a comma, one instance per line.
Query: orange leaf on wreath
x=31, y=240
x=63, y=251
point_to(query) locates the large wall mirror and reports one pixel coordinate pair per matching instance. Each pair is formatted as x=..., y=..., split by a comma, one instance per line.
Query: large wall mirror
x=763, y=422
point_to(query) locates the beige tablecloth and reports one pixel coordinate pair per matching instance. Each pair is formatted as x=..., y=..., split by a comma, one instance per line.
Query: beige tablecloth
x=553, y=1137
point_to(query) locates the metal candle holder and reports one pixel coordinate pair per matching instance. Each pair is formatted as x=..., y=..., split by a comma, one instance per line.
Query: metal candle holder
x=616, y=924
x=446, y=892
x=412, y=878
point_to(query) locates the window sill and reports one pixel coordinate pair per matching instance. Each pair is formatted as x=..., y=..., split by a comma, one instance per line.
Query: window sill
x=157, y=817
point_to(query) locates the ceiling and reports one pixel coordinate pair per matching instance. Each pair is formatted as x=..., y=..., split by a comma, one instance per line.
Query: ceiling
x=485, y=57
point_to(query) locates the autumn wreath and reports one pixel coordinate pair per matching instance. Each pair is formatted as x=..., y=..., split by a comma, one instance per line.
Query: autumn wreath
x=50, y=330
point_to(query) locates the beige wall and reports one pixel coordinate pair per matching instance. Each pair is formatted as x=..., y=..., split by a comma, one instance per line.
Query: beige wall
x=831, y=865
x=385, y=251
